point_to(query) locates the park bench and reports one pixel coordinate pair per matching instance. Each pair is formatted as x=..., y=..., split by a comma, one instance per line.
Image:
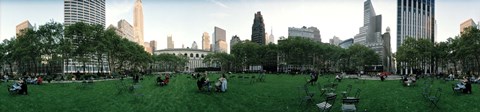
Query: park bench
x=327, y=104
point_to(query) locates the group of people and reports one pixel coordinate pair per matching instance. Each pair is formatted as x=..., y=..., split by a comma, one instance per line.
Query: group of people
x=37, y=80
x=204, y=84
x=409, y=80
x=163, y=82
x=465, y=85
x=19, y=87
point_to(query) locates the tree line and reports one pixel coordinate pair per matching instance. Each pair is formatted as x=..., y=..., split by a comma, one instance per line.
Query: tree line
x=459, y=55
x=48, y=48
x=294, y=54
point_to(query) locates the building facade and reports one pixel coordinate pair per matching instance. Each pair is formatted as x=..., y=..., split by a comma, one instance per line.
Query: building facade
x=125, y=30
x=206, y=41
x=195, y=57
x=316, y=34
x=219, y=36
x=235, y=39
x=170, y=44
x=387, y=58
x=346, y=43
x=258, y=29
x=146, y=46
x=87, y=11
x=370, y=32
x=23, y=25
x=194, y=45
x=222, y=47
x=138, y=21
x=415, y=19
x=271, y=38
x=466, y=24
x=153, y=45
x=335, y=41
x=90, y=12
x=301, y=32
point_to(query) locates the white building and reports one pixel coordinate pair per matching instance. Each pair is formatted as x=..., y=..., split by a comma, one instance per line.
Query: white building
x=88, y=11
x=300, y=32
x=206, y=41
x=125, y=30
x=195, y=57
x=194, y=45
x=170, y=44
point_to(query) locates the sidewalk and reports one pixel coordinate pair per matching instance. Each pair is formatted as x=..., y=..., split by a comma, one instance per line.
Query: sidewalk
x=366, y=77
x=80, y=81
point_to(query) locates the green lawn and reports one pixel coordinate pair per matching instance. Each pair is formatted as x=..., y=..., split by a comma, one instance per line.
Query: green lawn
x=279, y=93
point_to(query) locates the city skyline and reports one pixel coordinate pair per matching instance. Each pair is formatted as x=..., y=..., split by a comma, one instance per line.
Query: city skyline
x=161, y=18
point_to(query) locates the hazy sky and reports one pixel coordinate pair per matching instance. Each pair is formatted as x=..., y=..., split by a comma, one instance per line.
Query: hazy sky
x=186, y=20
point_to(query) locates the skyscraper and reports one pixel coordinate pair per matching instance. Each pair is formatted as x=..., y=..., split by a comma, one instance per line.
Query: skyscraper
x=205, y=41
x=125, y=30
x=416, y=19
x=170, y=42
x=138, y=21
x=466, y=24
x=258, y=29
x=271, y=38
x=23, y=25
x=153, y=45
x=235, y=39
x=88, y=11
x=335, y=41
x=370, y=32
x=387, y=52
x=219, y=36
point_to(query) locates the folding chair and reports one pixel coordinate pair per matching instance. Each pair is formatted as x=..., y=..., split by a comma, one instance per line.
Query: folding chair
x=435, y=99
x=327, y=105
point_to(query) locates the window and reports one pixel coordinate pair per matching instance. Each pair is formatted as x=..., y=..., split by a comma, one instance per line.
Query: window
x=196, y=55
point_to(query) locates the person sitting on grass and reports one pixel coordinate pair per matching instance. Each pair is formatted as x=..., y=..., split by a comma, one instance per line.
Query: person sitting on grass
x=203, y=82
x=338, y=78
x=405, y=81
x=477, y=80
x=24, y=88
x=218, y=85
x=167, y=78
x=200, y=84
x=160, y=81
x=314, y=78
x=16, y=87
x=223, y=81
x=39, y=80
x=468, y=87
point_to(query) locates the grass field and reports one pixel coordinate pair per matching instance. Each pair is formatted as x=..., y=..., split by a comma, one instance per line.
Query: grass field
x=278, y=94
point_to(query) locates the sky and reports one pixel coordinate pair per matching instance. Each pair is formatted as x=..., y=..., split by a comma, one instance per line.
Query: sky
x=186, y=20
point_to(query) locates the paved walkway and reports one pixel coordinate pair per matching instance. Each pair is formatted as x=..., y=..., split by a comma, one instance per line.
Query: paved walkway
x=366, y=77
x=79, y=81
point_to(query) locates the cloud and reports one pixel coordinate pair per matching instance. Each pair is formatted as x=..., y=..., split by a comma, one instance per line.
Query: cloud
x=219, y=3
